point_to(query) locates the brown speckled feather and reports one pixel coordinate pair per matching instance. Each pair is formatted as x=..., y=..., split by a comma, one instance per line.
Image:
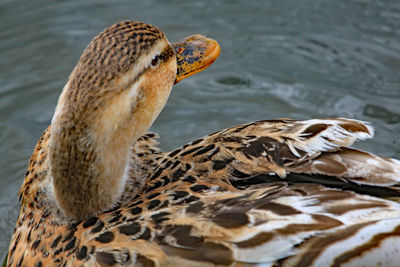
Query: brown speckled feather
x=278, y=193
x=201, y=204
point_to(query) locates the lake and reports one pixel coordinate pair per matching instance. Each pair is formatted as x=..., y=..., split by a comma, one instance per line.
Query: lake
x=295, y=58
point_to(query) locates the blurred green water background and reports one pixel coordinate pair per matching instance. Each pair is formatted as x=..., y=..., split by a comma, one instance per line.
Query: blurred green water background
x=295, y=58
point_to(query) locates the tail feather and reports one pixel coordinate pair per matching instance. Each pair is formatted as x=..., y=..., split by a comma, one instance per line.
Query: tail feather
x=324, y=135
x=357, y=166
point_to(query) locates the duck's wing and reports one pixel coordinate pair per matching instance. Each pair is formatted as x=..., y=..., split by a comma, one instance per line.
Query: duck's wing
x=313, y=151
x=293, y=194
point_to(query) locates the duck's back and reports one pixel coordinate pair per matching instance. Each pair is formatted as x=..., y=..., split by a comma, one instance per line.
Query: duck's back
x=279, y=192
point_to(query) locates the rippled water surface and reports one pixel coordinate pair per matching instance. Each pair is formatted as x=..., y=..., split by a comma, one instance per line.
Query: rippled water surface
x=295, y=58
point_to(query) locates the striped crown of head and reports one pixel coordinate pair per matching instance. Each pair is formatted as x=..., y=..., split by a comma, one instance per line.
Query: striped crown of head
x=114, y=51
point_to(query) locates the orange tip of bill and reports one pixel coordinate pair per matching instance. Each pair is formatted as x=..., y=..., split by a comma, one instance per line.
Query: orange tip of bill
x=194, y=54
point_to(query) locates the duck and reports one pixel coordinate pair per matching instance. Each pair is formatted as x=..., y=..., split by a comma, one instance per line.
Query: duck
x=99, y=192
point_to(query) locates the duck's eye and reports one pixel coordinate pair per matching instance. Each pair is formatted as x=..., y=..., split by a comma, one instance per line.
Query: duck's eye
x=155, y=61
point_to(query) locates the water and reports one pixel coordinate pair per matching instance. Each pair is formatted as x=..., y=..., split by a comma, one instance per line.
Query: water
x=294, y=58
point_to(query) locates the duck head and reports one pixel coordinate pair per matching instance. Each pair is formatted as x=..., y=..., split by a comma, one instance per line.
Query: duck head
x=113, y=95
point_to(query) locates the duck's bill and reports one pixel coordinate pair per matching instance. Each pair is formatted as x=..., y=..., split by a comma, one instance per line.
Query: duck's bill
x=194, y=54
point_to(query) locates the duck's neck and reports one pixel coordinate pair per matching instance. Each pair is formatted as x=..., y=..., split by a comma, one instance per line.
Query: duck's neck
x=86, y=179
x=90, y=155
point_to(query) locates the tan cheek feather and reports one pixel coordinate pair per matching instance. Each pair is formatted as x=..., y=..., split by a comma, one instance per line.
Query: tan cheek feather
x=156, y=89
x=132, y=112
